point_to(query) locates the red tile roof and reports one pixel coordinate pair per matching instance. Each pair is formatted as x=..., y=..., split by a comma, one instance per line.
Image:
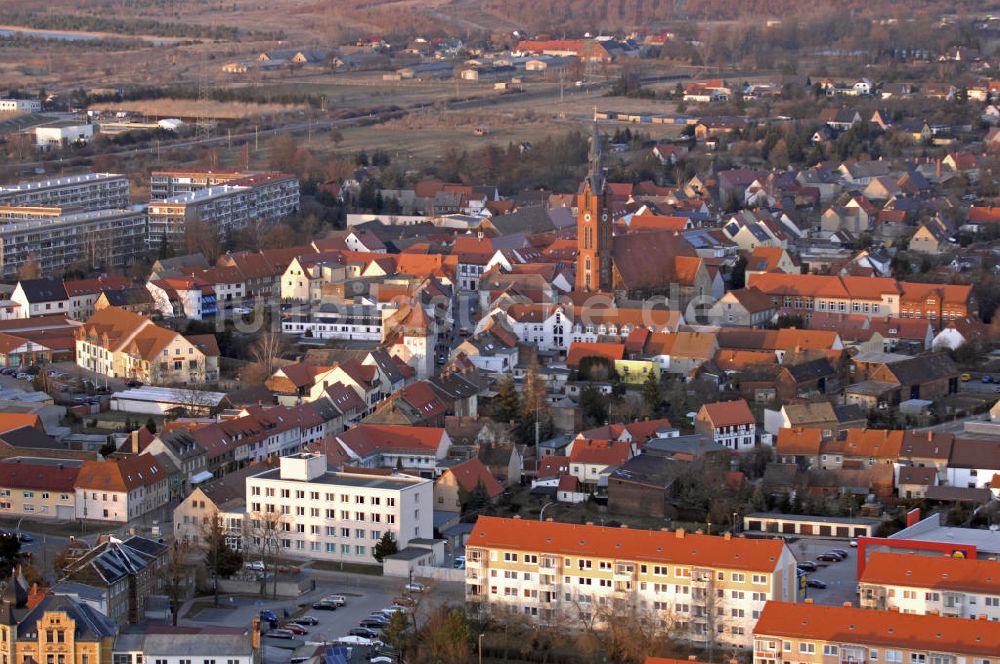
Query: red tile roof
x=848, y=625
x=38, y=477
x=553, y=466
x=760, y=555
x=728, y=413
x=600, y=452
x=471, y=473
x=365, y=439
x=580, y=349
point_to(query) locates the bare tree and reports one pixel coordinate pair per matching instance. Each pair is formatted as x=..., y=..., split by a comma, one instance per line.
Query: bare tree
x=262, y=542
x=268, y=349
x=177, y=577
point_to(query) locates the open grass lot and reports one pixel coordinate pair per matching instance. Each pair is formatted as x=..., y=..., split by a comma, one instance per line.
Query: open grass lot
x=161, y=108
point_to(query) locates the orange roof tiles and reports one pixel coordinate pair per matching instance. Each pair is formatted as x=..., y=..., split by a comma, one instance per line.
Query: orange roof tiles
x=121, y=473
x=728, y=413
x=11, y=421
x=473, y=472
x=937, y=572
x=848, y=625
x=364, y=439
x=871, y=443
x=760, y=555
x=600, y=452
x=799, y=441
x=553, y=466
x=578, y=350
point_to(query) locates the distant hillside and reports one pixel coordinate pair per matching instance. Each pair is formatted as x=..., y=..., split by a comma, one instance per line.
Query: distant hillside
x=610, y=14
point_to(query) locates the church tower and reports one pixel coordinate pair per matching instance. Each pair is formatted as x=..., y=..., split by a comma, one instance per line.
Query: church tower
x=593, y=225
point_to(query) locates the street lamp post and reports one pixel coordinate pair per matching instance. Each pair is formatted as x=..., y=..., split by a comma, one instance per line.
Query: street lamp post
x=541, y=512
x=734, y=523
x=481, y=648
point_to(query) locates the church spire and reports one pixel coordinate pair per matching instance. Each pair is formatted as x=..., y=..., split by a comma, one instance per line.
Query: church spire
x=595, y=171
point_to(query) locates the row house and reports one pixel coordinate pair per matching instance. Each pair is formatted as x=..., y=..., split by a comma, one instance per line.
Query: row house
x=119, y=344
x=813, y=634
x=877, y=297
x=185, y=297
x=556, y=573
x=76, y=299
x=931, y=585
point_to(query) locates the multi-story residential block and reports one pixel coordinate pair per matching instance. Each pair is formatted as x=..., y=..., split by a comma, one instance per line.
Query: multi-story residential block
x=165, y=184
x=931, y=585
x=729, y=423
x=55, y=238
x=121, y=489
x=347, y=321
x=119, y=343
x=90, y=191
x=814, y=634
x=259, y=198
x=38, y=488
x=337, y=516
x=703, y=587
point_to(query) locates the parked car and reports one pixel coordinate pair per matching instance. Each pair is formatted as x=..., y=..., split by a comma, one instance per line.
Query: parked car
x=24, y=537
x=388, y=611
x=807, y=566
x=986, y=379
x=306, y=620
x=339, y=600
x=415, y=587
x=268, y=615
x=355, y=641
x=404, y=600
x=281, y=634
x=296, y=629
x=816, y=583
x=844, y=555
x=325, y=606
x=255, y=565
x=853, y=543
x=373, y=623
x=381, y=659
x=828, y=558
x=364, y=632
x=459, y=562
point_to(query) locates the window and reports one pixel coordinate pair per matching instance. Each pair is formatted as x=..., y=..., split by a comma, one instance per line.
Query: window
x=807, y=648
x=759, y=579
x=510, y=557
x=893, y=656
x=830, y=650
x=739, y=578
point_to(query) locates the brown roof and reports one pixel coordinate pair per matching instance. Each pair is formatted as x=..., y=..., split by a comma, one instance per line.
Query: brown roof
x=922, y=475
x=799, y=441
x=975, y=453
x=121, y=473
x=473, y=472
x=728, y=413
x=37, y=476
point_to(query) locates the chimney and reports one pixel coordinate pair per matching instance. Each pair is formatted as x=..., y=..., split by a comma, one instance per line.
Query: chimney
x=590, y=523
x=699, y=532
x=937, y=169
x=679, y=533
x=935, y=612
x=692, y=658
x=255, y=635
x=550, y=520
x=624, y=525
x=809, y=600
x=727, y=536
x=847, y=605
x=516, y=516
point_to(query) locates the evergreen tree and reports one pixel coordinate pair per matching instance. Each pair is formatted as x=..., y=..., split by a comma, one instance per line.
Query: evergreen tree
x=506, y=405
x=651, y=396
x=593, y=405
x=385, y=546
x=151, y=425
x=221, y=560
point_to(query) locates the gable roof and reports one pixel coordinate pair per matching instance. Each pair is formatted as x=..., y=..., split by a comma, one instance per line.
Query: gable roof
x=367, y=439
x=471, y=473
x=799, y=441
x=600, y=452
x=121, y=473
x=43, y=290
x=626, y=544
x=840, y=624
x=728, y=413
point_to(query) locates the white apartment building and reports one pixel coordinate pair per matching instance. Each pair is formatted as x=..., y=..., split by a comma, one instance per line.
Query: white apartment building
x=264, y=197
x=90, y=191
x=692, y=584
x=338, y=321
x=121, y=489
x=111, y=238
x=338, y=516
x=20, y=106
x=931, y=585
x=165, y=184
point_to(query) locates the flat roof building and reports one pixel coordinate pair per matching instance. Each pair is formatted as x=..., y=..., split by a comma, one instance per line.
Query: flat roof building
x=89, y=191
x=338, y=516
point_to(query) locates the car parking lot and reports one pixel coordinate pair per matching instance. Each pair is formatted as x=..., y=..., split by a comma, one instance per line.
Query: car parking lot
x=841, y=578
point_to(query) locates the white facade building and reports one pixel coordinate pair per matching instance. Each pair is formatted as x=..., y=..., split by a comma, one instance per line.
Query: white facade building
x=90, y=191
x=338, y=516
